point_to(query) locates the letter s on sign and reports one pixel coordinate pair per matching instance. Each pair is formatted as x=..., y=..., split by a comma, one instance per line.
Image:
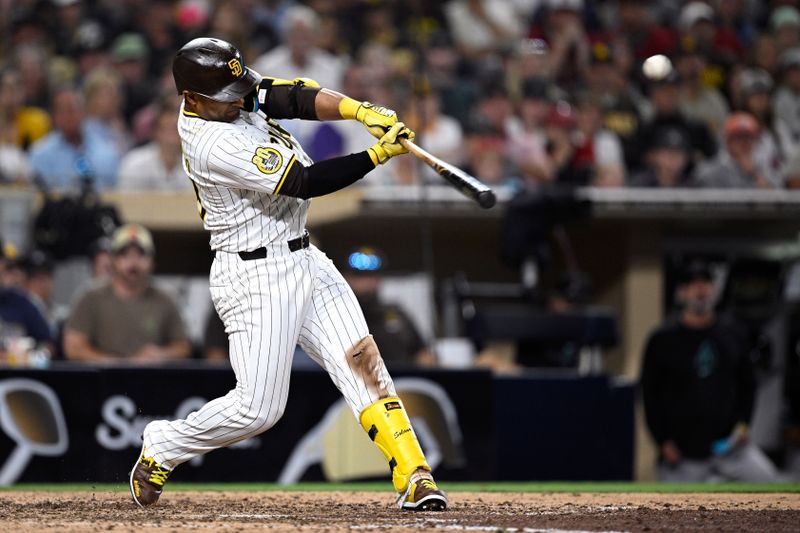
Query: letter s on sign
x=117, y=412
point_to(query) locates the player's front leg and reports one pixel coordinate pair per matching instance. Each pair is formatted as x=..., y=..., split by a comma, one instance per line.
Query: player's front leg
x=387, y=424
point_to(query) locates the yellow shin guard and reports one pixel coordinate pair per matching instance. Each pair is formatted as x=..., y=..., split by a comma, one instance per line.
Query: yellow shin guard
x=387, y=424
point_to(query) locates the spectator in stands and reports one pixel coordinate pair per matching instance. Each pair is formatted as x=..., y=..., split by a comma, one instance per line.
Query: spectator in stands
x=764, y=54
x=699, y=100
x=437, y=133
x=560, y=132
x=19, y=317
x=156, y=166
x=667, y=161
x=754, y=87
x=527, y=147
x=563, y=29
x=298, y=57
x=102, y=91
x=736, y=166
x=21, y=125
x=38, y=267
x=665, y=96
x=622, y=106
x=786, y=102
x=125, y=318
x=528, y=62
x=401, y=343
x=481, y=27
x=599, y=153
x=785, y=25
x=31, y=61
x=698, y=389
x=72, y=153
x=129, y=55
x=14, y=165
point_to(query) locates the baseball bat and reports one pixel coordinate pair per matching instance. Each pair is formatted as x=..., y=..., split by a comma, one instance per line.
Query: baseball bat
x=468, y=185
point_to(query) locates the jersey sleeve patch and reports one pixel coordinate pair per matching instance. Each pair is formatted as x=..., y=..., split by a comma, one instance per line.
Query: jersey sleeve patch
x=267, y=160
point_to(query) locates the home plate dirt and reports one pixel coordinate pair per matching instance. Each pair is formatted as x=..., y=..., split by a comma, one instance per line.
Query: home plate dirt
x=371, y=511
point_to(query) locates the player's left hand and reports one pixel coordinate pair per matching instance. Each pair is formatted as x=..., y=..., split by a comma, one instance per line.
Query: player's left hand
x=389, y=144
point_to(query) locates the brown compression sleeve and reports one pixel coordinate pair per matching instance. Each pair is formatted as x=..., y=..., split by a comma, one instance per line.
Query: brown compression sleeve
x=326, y=176
x=290, y=101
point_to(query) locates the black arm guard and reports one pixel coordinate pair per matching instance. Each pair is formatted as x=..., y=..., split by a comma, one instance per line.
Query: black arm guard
x=278, y=99
x=326, y=176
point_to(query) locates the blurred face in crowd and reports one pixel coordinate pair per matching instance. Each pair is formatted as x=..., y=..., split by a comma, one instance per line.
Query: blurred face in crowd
x=758, y=104
x=364, y=285
x=10, y=94
x=697, y=296
x=355, y=83
x=765, y=54
x=741, y=144
x=590, y=117
x=496, y=108
x=792, y=78
x=135, y=70
x=300, y=39
x=691, y=67
x=131, y=266
x=533, y=111
x=669, y=165
x=665, y=97
x=787, y=36
x=68, y=113
x=104, y=101
x=166, y=134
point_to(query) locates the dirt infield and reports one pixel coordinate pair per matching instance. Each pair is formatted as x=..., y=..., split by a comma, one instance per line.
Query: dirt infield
x=366, y=511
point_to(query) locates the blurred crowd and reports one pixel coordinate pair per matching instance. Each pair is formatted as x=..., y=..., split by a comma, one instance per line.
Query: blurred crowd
x=522, y=93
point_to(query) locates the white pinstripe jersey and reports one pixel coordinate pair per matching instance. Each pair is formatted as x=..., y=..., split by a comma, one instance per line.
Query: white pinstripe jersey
x=237, y=168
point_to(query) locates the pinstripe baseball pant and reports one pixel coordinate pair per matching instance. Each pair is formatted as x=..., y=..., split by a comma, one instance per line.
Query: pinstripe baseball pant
x=268, y=306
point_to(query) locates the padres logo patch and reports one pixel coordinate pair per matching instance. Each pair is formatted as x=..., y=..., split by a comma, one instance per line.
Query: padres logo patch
x=235, y=66
x=267, y=160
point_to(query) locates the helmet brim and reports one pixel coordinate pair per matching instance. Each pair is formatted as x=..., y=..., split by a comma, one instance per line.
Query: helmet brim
x=238, y=89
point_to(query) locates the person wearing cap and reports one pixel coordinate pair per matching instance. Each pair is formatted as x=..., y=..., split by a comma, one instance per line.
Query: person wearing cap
x=700, y=75
x=38, y=267
x=698, y=389
x=785, y=25
x=786, y=102
x=401, y=342
x=527, y=147
x=19, y=317
x=665, y=96
x=125, y=318
x=753, y=91
x=130, y=57
x=667, y=161
x=736, y=165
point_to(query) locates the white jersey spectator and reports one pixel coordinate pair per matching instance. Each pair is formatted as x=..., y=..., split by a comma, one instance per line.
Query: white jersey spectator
x=157, y=165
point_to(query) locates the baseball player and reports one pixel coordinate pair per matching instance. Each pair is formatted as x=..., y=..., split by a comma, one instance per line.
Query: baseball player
x=271, y=288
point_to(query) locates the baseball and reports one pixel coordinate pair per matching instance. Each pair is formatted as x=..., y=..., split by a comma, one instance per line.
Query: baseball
x=657, y=67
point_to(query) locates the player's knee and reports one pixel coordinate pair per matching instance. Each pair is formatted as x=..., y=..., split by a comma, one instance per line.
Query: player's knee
x=260, y=419
x=365, y=360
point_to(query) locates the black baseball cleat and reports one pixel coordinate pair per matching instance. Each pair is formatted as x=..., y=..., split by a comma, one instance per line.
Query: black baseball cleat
x=147, y=480
x=422, y=494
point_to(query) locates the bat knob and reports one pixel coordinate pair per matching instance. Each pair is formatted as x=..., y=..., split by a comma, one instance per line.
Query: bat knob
x=486, y=199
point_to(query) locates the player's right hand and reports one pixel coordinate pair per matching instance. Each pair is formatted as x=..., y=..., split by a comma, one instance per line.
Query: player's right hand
x=389, y=144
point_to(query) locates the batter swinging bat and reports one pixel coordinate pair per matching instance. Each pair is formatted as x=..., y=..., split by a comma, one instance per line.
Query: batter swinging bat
x=468, y=185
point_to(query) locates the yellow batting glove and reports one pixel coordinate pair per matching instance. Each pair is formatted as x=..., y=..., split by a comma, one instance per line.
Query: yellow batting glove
x=389, y=145
x=375, y=118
